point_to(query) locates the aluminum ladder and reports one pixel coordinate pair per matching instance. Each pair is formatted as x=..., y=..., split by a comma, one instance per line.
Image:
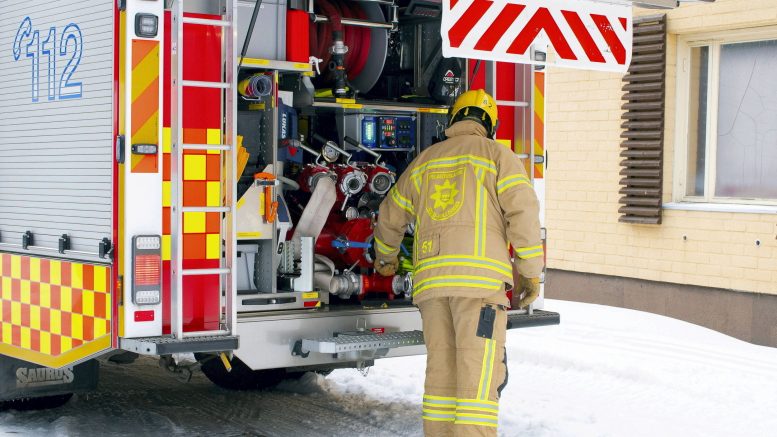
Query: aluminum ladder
x=228, y=153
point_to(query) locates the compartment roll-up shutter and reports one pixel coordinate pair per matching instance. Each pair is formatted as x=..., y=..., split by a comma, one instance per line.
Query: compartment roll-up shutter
x=56, y=124
x=643, y=124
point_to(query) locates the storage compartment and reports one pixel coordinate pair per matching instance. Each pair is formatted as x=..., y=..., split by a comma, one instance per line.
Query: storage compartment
x=267, y=41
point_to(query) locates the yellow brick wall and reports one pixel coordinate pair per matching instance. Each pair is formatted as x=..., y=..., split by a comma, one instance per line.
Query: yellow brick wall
x=715, y=249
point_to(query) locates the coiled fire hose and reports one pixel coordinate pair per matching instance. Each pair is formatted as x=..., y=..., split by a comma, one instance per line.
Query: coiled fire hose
x=324, y=38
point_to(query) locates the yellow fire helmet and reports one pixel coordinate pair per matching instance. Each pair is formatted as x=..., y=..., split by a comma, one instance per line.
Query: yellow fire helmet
x=481, y=100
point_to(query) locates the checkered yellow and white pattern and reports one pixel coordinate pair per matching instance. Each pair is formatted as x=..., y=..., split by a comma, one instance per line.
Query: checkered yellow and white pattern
x=53, y=313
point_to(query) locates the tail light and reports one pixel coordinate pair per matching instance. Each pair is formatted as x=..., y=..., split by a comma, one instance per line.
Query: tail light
x=147, y=269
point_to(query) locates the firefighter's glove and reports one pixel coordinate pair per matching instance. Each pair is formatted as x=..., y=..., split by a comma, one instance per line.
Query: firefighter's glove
x=386, y=267
x=529, y=288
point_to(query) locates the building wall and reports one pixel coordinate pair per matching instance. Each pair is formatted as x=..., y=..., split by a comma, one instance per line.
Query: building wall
x=701, y=248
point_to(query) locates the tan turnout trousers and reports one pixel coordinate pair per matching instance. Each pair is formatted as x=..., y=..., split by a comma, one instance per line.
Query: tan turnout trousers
x=465, y=367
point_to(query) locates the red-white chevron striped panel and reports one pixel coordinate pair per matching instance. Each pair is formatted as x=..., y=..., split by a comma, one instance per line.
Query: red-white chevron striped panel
x=583, y=33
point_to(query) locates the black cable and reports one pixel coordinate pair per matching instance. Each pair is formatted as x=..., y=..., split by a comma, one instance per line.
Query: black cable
x=475, y=70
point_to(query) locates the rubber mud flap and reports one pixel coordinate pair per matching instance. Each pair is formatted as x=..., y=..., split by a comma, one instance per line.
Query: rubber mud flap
x=19, y=379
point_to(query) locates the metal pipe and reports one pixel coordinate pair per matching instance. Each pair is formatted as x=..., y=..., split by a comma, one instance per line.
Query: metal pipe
x=355, y=22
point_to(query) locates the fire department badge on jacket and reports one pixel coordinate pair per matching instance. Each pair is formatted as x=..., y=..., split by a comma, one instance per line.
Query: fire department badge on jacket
x=446, y=193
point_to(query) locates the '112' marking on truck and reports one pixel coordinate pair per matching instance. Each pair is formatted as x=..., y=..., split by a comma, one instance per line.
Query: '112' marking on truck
x=68, y=48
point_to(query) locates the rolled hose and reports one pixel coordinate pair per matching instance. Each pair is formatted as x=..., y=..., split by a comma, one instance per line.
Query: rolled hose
x=356, y=38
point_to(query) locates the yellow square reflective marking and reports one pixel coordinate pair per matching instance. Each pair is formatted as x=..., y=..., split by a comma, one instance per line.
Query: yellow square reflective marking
x=56, y=322
x=87, y=299
x=77, y=276
x=194, y=167
x=99, y=328
x=55, y=273
x=45, y=295
x=6, y=330
x=26, y=338
x=167, y=194
x=6, y=292
x=167, y=247
x=35, y=317
x=214, y=138
x=311, y=295
x=213, y=246
x=45, y=342
x=214, y=194
x=66, y=299
x=25, y=291
x=167, y=140
x=16, y=267
x=194, y=223
x=67, y=343
x=101, y=279
x=77, y=326
x=16, y=313
x=35, y=269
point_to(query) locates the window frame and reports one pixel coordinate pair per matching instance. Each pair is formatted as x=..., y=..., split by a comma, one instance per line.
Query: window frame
x=685, y=45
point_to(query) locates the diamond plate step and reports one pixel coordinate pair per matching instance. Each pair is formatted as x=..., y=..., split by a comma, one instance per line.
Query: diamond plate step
x=537, y=318
x=170, y=345
x=362, y=342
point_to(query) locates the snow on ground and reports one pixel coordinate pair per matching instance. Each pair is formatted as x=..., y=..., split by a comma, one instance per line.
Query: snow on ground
x=603, y=372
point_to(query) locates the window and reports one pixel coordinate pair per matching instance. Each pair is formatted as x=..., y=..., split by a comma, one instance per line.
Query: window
x=727, y=137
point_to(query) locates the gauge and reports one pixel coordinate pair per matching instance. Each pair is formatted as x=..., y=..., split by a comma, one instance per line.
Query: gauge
x=329, y=153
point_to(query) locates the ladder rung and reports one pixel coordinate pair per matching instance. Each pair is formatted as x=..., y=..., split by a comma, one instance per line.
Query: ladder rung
x=221, y=147
x=204, y=272
x=203, y=84
x=206, y=209
x=206, y=21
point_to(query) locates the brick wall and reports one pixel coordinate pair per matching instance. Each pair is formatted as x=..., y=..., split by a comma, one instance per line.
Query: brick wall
x=714, y=249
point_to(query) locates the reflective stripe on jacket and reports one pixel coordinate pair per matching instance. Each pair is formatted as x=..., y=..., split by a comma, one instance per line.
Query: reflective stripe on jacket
x=468, y=196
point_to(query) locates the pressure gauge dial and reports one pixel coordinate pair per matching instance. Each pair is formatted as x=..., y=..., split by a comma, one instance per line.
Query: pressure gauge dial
x=330, y=154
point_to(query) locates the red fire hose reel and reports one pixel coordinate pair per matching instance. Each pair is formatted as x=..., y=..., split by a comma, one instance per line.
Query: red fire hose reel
x=357, y=39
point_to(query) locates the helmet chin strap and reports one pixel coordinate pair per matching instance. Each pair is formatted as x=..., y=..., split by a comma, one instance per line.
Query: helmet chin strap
x=493, y=131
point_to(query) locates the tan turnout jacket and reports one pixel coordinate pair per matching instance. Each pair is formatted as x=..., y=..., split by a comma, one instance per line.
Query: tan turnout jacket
x=468, y=197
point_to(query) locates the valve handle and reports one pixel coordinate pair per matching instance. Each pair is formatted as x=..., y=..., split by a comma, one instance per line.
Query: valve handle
x=357, y=144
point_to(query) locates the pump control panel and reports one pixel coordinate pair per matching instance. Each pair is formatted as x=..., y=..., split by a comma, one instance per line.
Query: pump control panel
x=384, y=132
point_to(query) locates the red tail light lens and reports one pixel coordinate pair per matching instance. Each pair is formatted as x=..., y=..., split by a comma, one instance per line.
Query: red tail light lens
x=148, y=270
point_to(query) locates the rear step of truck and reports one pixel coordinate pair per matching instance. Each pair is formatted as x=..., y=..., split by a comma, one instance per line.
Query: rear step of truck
x=365, y=341
x=533, y=319
x=168, y=345
x=352, y=342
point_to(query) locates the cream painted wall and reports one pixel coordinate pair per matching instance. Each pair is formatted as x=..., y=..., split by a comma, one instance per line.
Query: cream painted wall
x=715, y=249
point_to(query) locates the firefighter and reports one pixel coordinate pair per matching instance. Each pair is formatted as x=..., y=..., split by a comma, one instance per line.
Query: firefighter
x=467, y=197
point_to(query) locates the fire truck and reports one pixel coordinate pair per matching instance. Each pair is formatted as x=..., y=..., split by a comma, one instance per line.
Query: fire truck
x=201, y=177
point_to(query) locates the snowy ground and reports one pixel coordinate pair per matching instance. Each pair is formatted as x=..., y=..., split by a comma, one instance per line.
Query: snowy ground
x=603, y=372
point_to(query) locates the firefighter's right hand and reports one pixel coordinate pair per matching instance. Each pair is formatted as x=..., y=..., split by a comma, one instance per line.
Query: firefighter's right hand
x=387, y=267
x=529, y=288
